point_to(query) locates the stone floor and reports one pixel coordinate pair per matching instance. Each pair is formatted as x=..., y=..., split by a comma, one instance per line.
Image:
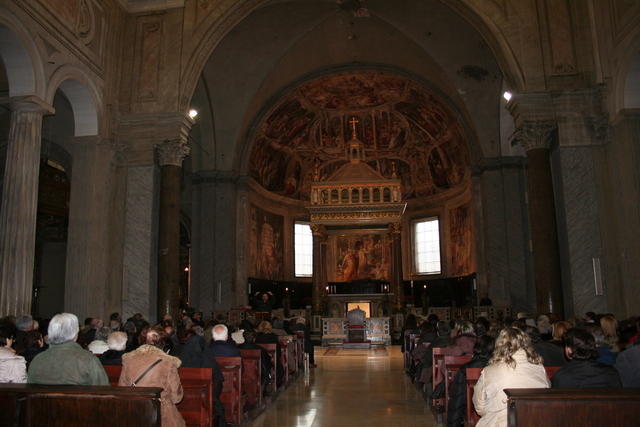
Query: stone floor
x=350, y=388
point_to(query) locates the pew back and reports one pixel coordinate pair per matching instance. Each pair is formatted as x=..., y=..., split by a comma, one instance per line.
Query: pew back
x=473, y=374
x=198, y=405
x=271, y=349
x=252, y=376
x=573, y=407
x=67, y=405
x=231, y=396
x=451, y=366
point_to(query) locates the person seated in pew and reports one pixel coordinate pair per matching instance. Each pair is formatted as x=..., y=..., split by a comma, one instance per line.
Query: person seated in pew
x=12, y=366
x=265, y=360
x=583, y=370
x=265, y=335
x=627, y=365
x=301, y=325
x=220, y=345
x=482, y=352
x=191, y=347
x=463, y=341
x=65, y=361
x=514, y=364
x=99, y=343
x=552, y=355
x=117, y=343
x=34, y=345
x=150, y=366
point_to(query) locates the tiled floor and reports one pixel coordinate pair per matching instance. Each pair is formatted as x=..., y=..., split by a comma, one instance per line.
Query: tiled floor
x=350, y=388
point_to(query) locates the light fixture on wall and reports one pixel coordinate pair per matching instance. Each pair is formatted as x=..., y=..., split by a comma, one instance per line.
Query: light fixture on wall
x=507, y=95
x=193, y=113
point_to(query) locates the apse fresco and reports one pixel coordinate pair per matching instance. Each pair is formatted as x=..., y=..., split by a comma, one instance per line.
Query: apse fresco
x=397, y=120
x=266, y=244
x=461, y=241
x=360, y=257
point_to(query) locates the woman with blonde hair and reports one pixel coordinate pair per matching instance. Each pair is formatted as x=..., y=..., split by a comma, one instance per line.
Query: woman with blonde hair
x=514, y=364
x=557, y=331
x=609, y=326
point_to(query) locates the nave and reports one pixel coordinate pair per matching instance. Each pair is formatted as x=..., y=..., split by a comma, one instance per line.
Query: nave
x=350, y=387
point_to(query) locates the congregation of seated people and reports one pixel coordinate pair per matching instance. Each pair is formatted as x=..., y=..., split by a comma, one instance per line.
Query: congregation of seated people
x=61, y=352
x=526, y=352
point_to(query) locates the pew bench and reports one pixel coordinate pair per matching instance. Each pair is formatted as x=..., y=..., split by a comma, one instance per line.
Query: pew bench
x=231, y=396
x=473, y=374
x=198, y=402
x=73, y=405
x=452, y=365
x=271, y=349
x=561, y=407
x=252, y=377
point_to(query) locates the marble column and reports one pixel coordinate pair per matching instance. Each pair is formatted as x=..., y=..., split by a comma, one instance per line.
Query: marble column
x=20, y=204
x=317, y=290
x=170, y=156
x=535, y=135
x=396, y=267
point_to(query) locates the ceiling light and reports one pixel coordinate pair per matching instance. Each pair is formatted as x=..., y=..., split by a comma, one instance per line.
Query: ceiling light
x=193, y=113
x=507, y=95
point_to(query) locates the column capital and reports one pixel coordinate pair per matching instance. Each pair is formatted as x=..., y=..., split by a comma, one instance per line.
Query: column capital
x=534, y=134
x=395, y=227
x=28, y=104
x=172, y=152
x=317, y=229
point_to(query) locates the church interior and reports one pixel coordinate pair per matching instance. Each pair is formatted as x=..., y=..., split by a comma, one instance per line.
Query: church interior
x=356, y=161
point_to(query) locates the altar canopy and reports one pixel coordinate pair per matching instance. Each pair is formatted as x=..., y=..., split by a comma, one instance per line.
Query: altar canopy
x=355, y=217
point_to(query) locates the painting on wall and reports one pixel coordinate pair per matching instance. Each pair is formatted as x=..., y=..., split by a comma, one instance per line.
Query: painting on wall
x=360, y=257
x=266, y=244
x=461, y=242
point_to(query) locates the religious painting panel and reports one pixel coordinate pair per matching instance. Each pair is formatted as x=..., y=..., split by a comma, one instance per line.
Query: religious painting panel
x=359, y=257
x=397, y=120
x=266, y=244
x=461, y=241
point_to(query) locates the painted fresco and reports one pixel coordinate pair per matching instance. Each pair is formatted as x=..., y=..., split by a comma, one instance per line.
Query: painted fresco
x=461, y=241
x=360, y=257
x=266, y=243
x=398, y=120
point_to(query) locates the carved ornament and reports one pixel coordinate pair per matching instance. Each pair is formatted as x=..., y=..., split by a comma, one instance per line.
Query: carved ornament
x=534, y=134
x=172, y=152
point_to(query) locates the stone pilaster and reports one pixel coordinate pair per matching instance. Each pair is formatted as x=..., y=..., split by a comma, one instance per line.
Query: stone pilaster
x=20, y=204
x=396, y=267
x=318, y=285
x=171, y=153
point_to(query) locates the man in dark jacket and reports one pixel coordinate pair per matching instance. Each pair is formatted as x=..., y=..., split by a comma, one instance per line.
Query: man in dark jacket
x=221, y=346
x=265, y=359
x=627, y=365
x=582, y=369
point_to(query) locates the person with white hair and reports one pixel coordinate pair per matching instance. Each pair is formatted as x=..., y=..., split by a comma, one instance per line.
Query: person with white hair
x=220, y=346
x=117, y=342
x=66, y=362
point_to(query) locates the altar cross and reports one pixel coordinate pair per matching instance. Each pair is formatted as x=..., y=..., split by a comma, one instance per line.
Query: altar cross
x=353, y=122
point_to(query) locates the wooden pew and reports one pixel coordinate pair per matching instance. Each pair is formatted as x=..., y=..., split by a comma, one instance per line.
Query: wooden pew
x=436, y=373
x=284, y=361
x=271, y=349
x=198, y=402
x=451, y=366
x=300, y=343
x=252, y=377
x=473, y=374
x=25, y=405
x=231, y=396
x=573, y=407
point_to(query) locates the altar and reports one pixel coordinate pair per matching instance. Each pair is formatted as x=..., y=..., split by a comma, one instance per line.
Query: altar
x=335, y=331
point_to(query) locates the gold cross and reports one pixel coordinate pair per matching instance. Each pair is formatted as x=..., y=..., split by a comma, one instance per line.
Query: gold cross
x=353, y=122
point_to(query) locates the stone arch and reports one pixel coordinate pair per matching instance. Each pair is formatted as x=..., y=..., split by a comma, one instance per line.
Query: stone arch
x=83, y=96
x=211, y=36
x=626, y=84
x=21, y=57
